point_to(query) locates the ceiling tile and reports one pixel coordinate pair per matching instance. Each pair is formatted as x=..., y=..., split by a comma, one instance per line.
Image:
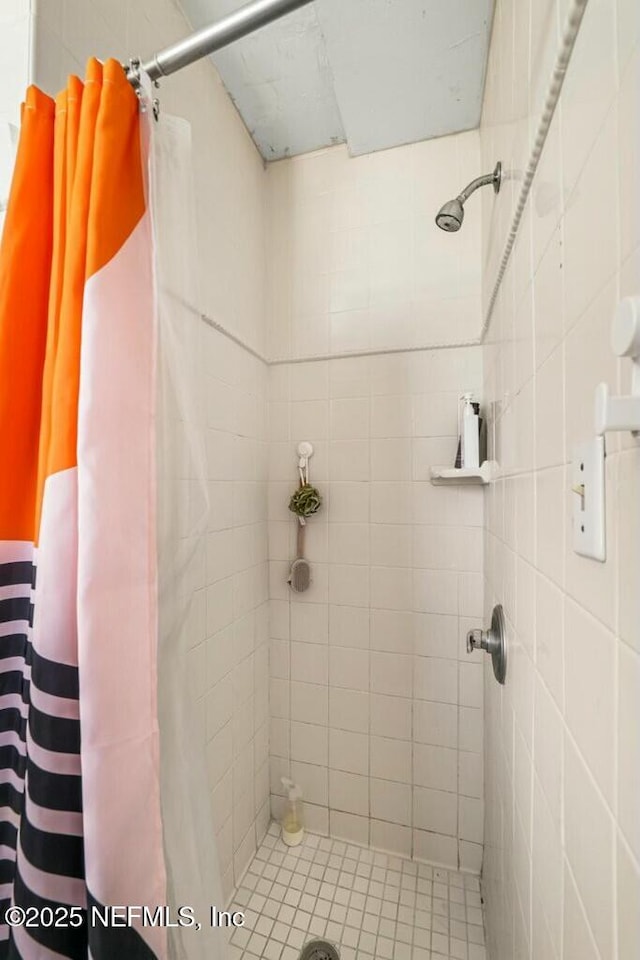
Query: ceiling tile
x=376, y=73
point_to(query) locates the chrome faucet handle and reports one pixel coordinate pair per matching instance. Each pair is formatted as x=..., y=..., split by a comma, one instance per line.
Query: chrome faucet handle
x=493, y=641
x=476, y=640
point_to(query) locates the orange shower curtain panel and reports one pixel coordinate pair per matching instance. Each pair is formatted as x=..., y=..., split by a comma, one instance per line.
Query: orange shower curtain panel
x=80, y=824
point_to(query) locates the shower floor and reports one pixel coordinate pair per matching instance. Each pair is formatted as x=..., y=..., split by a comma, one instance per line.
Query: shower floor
x=374, y=906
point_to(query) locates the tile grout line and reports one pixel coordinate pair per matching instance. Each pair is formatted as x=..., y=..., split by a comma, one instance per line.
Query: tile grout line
x=405, y=890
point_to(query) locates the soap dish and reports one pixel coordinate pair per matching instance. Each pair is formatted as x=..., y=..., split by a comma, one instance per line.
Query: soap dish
x=463, y=475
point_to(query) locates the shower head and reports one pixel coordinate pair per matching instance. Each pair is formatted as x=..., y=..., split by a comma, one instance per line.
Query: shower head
x=451, y=215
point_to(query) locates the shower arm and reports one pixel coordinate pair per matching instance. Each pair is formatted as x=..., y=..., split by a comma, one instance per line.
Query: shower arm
x=484, y=181
x=222, y=33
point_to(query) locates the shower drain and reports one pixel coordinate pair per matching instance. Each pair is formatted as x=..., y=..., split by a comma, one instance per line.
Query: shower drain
x=319, y=950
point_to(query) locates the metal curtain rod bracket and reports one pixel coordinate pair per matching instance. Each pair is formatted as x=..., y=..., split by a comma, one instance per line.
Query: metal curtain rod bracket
x=240, y=23
x=135, y=79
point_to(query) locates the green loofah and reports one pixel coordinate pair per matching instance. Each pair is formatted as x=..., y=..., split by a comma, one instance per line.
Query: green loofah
x=305, y=501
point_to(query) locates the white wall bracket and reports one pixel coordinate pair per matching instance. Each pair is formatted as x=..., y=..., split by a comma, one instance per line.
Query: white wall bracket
x=622, y=413
x=616, y=413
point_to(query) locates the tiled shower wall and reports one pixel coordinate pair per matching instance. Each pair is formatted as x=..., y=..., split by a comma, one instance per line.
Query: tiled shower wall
x=15, y=35
x=562, y=861
x=355, y=259
x=229, y=617
x=15, y=58
x=375, y=709
x=230, y=661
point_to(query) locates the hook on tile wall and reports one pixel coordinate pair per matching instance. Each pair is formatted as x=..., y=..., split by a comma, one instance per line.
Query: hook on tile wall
x=622, y=413
x=305, y=452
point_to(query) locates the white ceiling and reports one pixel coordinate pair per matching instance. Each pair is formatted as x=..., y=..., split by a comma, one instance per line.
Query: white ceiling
x=373, y=73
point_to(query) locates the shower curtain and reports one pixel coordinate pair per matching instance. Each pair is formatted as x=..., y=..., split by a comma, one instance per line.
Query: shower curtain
x=84, y=824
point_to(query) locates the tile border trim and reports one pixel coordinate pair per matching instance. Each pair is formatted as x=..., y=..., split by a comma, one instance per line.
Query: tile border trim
x=563, y=58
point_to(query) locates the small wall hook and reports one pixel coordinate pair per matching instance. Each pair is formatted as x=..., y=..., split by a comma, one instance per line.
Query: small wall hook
x=305, y=452
x=622, y=413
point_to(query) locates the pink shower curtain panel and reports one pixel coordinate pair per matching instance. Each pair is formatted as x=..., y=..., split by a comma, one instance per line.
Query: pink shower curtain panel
x=80, y=822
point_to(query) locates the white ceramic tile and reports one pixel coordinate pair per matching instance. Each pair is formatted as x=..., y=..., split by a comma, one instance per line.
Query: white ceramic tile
x=349, y=668
x=395, y=838
x=589, y=672
x=349, y=460
x=350, y=418
x=585, y=99
x=470, y=774
x=628, y=745
x=306, y=381
x=436, y=768
x=391, y=416
x=349, y=793
x=391, y=801
x=391, y=545
x=391, y=502
x=547, y=866
x=470, y=816
x=350, y=502
x=349, y=626
x=550, y=439
x=309, y=622
x=437, y=680
x=436, y=848
x=589, y=840
x=629, y=550
x=578, y=939
x=628, y=885
x=391, y=717
x=435, y=811
x=435, y=723
x=355, y=897
x=470, y=729
x=348, y=752
x=309, y=662
x=551, y=522
x=349, y=826
x=581, y=260
x=435, y=591
x=548, y=750
x=310, y=743
x=436, y=635
x=349, y=543
x=309, y=702
x=390, y=759
x=349, y=584
x=390, y=674
x=391, y=459
x=550, y=637
x=392, y=631
x=349, y=710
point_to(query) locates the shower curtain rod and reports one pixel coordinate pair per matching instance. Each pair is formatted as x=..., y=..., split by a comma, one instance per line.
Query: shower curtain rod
x=233, y=27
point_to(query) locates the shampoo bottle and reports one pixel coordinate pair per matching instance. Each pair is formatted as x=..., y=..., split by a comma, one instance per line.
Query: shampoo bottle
x=292, y=819
x=470, y=434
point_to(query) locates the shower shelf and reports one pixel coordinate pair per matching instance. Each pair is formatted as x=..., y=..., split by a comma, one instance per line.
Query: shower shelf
x=464, y=475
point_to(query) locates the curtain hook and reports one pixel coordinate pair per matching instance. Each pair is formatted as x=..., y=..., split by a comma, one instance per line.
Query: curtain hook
x=133, y=73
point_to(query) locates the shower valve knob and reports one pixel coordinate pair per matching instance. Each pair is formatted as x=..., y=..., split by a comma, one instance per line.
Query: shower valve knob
x=477, y=640
x=493, y=641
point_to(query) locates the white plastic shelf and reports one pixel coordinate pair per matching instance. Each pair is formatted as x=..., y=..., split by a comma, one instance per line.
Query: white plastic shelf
x=463, y=475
